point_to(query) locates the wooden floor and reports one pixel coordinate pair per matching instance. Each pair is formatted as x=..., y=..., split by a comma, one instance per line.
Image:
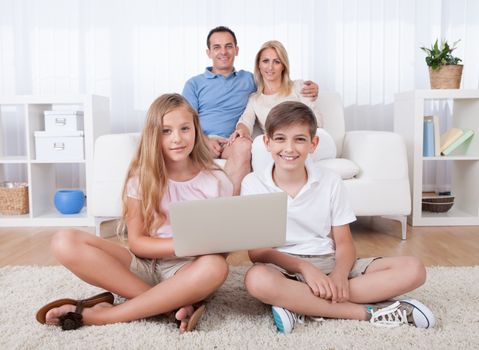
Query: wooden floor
x=444, y=246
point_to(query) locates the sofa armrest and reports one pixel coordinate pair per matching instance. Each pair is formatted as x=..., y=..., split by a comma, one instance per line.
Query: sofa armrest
x=113, y=154
x=380, y=155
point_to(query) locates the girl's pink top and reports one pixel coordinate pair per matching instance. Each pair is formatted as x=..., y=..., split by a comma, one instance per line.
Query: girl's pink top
x=207, y=184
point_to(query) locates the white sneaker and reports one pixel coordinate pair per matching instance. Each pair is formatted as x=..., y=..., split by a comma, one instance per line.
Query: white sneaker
x=285, y=319
x=405, y=311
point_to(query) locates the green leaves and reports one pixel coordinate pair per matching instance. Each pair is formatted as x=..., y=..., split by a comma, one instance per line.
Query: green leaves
x=440, y=55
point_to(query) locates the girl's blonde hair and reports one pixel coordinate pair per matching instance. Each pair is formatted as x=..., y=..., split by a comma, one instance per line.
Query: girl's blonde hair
x=148, y=162
x=286, y=82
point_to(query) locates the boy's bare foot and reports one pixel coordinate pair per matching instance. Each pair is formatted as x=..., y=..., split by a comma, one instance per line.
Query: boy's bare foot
x=53, y=315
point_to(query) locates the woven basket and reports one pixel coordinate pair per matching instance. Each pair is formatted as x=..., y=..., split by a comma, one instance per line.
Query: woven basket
x=13, y=198
x=437, y=207
x=446, y=77
x=438, y=199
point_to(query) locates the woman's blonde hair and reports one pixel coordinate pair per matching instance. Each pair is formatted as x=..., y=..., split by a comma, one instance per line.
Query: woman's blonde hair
x=148, y=162
x=286, y=83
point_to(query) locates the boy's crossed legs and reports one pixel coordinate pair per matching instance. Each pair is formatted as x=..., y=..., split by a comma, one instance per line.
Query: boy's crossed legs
x=383, y=279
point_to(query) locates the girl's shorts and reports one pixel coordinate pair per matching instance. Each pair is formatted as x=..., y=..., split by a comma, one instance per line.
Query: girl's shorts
x=153, y=271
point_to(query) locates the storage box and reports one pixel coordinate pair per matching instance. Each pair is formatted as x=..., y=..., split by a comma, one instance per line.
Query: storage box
x=60, y=121
x=59, y=147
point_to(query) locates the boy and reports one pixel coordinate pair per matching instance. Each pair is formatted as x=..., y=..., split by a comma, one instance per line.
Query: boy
x=316, y=272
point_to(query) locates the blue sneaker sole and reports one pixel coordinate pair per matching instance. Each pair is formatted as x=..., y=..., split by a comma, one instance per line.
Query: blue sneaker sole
x=277, y=321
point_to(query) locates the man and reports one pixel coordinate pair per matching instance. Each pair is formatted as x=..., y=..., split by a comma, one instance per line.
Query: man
x=220, y=96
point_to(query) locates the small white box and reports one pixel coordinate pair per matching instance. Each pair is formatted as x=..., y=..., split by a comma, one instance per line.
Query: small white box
x=59, y=121
x=59, y=147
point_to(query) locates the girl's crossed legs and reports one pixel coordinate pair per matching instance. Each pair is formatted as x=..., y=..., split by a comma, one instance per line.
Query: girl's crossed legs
x=107, y=265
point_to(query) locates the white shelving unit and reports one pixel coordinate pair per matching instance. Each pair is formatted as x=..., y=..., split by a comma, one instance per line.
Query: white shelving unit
x=41, y=175
x=409, y=111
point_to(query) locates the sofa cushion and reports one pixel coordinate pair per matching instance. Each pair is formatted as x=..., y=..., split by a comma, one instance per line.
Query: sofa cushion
x=331, y=107
x=344, y=167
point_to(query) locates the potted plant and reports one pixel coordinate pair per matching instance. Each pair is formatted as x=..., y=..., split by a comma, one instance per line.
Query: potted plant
x=444, y=70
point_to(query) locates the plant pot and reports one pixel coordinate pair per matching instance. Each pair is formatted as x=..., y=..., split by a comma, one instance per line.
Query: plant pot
x=69, y=201
x=446, y=77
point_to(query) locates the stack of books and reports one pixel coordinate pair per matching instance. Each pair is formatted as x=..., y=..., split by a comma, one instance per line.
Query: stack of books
x=435, y=145
x=453, y=138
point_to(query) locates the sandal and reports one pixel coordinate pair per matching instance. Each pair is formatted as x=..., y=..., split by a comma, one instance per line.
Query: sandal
x=194, y=318
x=73, y=320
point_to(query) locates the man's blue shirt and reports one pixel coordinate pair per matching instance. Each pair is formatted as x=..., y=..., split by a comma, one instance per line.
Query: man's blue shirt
x=219, y=100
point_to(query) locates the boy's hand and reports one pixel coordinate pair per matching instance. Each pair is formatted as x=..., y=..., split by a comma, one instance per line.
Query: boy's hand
x=321, y=285
x=342, y=287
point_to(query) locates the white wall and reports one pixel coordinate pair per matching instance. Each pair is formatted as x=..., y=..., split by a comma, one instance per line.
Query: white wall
x=133, y=51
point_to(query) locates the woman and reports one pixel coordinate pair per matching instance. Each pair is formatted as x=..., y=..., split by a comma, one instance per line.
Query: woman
x=274, y=86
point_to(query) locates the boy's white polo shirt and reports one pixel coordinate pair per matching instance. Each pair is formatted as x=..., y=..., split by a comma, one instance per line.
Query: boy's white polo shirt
x=319, y=205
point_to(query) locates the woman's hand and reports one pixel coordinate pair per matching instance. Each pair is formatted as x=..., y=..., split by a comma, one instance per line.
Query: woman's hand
x=321, y=285
x=239, y=132
x=234, y=136
x=310, y=89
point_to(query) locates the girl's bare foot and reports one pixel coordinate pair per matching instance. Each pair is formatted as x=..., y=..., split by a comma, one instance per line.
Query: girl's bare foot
x=183, y=315
x=53, y=315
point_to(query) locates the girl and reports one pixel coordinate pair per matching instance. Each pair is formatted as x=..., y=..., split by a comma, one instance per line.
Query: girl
x=172, y=163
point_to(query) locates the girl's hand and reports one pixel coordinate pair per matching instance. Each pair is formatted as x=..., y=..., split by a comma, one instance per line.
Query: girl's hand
x=321, y=285
x=342, y=287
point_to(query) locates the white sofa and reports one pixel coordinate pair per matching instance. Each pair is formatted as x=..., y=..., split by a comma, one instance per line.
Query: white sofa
x=373, y=165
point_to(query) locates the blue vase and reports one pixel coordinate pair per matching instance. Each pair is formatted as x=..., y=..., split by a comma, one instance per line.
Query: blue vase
x=69, y=201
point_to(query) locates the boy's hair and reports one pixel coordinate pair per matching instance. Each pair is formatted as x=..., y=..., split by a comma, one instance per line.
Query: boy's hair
x=220, y=29
x=286, y=83
x=149, y=165
x=290, y=113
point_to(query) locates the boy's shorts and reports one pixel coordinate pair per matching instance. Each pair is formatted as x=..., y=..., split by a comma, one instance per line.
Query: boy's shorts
x=326, y=264
x=153, y=271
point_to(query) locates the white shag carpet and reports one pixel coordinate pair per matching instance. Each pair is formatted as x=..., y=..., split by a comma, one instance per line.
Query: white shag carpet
x=233, y=320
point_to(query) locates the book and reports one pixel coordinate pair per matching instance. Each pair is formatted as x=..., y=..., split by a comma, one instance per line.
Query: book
x=436, y=133
x=449, y=137
x=467, y=134
x=428, y=139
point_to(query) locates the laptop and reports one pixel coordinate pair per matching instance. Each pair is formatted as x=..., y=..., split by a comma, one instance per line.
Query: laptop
x=228, y=224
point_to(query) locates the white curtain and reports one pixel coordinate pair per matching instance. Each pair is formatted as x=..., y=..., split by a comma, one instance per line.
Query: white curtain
x=133, y=51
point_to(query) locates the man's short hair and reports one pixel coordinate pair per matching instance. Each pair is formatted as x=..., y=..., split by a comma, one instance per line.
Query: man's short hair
x=290, y=113
x=220, y=29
